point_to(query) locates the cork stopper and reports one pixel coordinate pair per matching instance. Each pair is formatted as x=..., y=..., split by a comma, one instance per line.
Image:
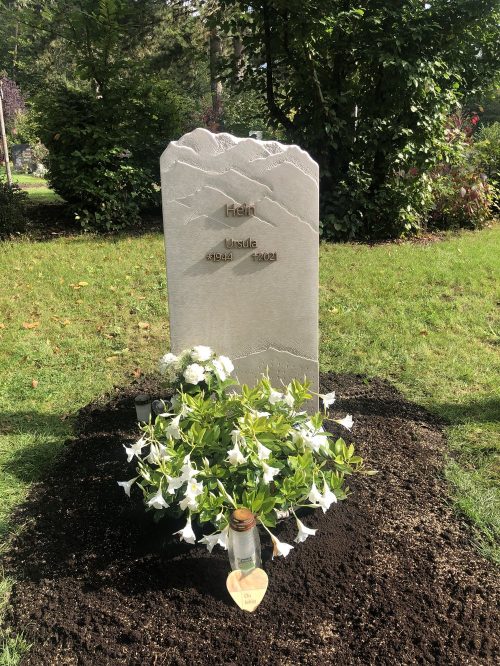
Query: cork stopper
x=242, y=520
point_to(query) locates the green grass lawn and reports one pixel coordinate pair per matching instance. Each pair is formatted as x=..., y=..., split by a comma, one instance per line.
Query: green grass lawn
x=72, y=324
x=37, y=189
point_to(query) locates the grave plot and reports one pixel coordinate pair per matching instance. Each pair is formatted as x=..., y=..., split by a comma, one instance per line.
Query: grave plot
x=391, y=576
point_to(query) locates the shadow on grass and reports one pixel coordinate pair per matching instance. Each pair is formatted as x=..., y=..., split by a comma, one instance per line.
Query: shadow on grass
x=48, y=221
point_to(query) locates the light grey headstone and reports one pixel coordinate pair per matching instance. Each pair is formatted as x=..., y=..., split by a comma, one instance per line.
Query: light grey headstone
x=258, y=305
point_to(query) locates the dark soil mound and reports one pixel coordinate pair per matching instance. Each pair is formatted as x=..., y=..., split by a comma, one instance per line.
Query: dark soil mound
x=391, y=577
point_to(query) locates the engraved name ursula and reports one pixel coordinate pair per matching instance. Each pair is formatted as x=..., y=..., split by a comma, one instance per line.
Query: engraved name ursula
x=240, y=210
x=231, y=242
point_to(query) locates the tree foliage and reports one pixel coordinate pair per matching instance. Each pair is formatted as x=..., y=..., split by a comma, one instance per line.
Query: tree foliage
x=366, y=87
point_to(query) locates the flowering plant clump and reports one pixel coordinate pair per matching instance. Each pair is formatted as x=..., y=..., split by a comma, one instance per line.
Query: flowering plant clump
x=214, y=450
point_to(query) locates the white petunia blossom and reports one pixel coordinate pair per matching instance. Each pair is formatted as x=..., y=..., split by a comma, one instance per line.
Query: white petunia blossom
x=201, y=353
x=269, y=472
x=127, y=485
x=235, y=456
x=187, y=534
x=328, y=399
x=347, y=422
x=262, y=451
x=275, y=396
x=135, y=449
x=304, y=532
x=194, y=374
x=280, y=548
x=158, y=501
x=166, y=361
x=227, y=364
x=210, y=540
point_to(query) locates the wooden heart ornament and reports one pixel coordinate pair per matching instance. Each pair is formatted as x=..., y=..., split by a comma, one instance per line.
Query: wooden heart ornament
x=247, y=589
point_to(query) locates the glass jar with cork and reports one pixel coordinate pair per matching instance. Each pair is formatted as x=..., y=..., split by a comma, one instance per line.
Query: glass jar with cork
x=243, y=541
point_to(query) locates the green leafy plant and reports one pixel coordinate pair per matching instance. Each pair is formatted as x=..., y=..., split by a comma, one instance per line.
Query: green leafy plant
x=12, y=209
x=215, y=449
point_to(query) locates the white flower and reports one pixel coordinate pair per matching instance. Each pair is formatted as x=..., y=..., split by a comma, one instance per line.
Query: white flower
x=193, y=490
x=347, y=422
x=275, y=396
x=280, y=514
x=157, y=454
x=166, y=361
x=315, y=497
x=135, y=449
x=194, y=374
x=237, y=438
x=328, y=399
x=187, y=534
x=329, y=498
x=280, y=548
x=219, y=370
x=235, y=456
x=219, y=516
x=227, y=364
x=260, y=415
x=269, y=472
x=319, y=441
x=173, y=430
x=223, y=538
x=174, y=483
x=324, y=500
x=158, y=501
x=201, y=353
x=262, y=451
x=210, y=540
x=127, y=485
x=304, y=531
x=289, y=399
x=188, y=471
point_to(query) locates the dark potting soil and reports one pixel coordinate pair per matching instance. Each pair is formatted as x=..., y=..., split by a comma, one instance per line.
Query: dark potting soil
x=390, y=578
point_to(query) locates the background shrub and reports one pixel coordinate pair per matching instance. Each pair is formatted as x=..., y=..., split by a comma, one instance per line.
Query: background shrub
x=104, y=149
x=12, y=209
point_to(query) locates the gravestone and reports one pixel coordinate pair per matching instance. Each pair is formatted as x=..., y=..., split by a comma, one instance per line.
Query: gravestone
x=241, y=234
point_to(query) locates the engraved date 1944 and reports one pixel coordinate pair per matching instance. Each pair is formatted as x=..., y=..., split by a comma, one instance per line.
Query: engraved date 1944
x=220, y=256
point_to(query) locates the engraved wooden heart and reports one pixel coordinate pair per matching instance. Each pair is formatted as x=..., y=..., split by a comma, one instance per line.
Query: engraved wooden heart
x=247, y=589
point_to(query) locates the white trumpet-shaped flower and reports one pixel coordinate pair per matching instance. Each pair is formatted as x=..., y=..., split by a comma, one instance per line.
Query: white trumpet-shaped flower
x=328, y=399
x=127, y=485
x=237, y=438
x=223, y=538
x=280, y=548
x=135, y=449
x=173, y=430
x=314, y=496
x=219, y=370
x=158, y=501
x=226, y=363
x=269, y=472
x=289, y=399
x=235, y=456
x=194, y=488
x=304, y=532
x=347, y=422
x=194, y=374
x=329, y=498
x=157, y=454
x=174, y=483
x=187, y=470
x=187, y=534
x=201, y=353
x=262, y=451
x=210, y=540
x=275, y=396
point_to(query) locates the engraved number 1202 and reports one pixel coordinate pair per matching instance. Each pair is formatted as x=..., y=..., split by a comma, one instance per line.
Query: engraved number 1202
x=265, y=256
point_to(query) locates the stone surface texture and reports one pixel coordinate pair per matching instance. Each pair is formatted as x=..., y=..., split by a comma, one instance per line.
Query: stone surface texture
x=262, y=314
